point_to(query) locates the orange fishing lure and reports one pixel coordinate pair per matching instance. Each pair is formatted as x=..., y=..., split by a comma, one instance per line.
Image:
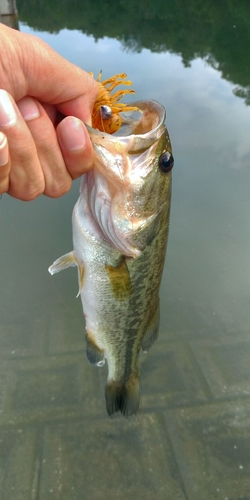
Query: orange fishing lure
x=107, y=108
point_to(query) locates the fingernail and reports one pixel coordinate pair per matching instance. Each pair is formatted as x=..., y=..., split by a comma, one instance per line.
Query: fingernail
x=28, y=108
x=72, y=134
x=4, y=153
x=8, y=115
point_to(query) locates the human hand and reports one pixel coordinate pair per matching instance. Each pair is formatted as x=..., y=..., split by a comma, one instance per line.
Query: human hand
x=40, y=88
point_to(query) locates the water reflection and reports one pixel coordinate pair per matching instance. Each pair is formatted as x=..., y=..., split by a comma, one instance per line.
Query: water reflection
x=194, y=425
x=218, y=32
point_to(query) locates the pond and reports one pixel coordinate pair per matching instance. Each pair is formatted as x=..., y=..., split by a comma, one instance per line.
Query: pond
x=190, y=439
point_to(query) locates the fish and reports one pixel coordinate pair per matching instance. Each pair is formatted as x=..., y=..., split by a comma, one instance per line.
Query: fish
x=120, y=230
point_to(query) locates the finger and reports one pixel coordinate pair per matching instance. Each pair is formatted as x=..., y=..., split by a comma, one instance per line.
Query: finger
x=26, y=179
x=56, y=176
x=4, y=164
x=44, y=74
x=75, y=145
x=51, y=112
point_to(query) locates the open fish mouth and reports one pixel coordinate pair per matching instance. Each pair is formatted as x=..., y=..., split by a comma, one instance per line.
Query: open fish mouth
x=144, y=125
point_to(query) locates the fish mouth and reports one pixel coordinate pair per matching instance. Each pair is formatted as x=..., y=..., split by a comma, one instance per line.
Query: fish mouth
x=144, y=126
x=139, y=132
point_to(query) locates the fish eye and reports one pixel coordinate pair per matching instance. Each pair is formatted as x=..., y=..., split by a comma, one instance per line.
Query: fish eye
x=105, y=112
x=166, y=162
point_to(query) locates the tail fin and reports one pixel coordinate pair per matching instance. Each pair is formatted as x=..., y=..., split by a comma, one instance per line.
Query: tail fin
x=123, y=397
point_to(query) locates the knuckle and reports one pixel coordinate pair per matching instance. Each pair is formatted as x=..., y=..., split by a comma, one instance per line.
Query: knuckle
x=27, y=192
x=58, y=189
x=32, y=193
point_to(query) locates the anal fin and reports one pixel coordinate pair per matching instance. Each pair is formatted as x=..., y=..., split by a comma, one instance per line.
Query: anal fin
x=151, y=333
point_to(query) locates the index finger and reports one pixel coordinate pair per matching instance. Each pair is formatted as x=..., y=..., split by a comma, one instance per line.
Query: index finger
x=44, y=74
x=61, y=83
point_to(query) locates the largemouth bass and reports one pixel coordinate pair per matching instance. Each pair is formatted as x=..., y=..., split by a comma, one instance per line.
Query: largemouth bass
x=120, y=230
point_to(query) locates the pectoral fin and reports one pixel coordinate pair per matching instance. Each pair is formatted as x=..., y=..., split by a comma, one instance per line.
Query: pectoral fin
x=120, y=280
x=152, y=331
x=63, y=262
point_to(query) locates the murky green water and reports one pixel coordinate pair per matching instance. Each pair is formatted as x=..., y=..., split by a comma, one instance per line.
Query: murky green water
x=191, y=439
